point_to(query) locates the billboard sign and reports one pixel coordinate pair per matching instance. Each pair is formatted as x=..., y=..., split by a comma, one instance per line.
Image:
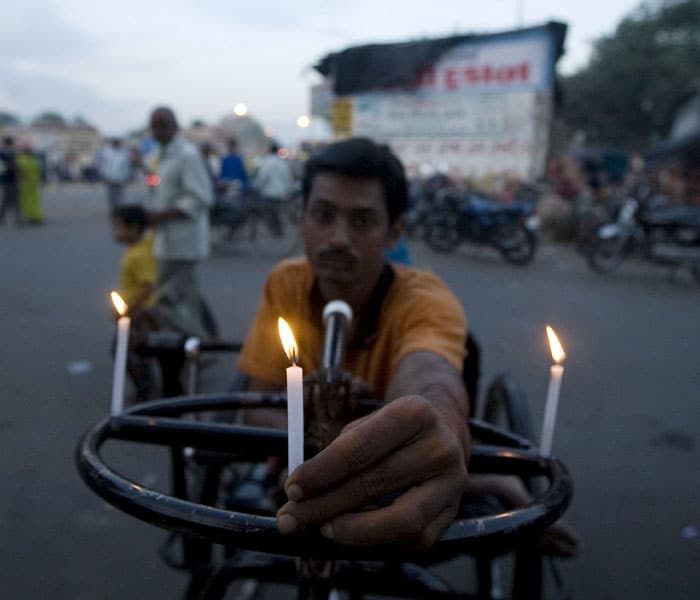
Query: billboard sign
x=483, y=108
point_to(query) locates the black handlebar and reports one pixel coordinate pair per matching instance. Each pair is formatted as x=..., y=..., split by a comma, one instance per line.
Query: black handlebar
x=157, y=423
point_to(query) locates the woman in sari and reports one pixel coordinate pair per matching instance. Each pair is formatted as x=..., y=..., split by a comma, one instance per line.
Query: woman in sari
x=29, y=179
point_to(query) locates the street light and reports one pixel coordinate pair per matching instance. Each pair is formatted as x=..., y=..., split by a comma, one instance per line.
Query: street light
x=240, y=110
x=303, y=121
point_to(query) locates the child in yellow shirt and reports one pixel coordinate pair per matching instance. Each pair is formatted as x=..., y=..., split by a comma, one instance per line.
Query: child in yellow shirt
x=137, y=284
x=138, y=270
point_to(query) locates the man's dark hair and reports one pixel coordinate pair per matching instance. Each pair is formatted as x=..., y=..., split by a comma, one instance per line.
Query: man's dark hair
x=131, y=214
x=168, y=113
x=361, y=157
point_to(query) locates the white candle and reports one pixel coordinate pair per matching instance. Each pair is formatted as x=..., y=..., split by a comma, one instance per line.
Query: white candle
x=550, y=411
x=118, y=378
x=295, y=417
x=556, y=372
x=295, y=399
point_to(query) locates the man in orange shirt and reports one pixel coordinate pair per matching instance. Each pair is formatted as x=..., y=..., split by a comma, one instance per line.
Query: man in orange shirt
x=406, y=341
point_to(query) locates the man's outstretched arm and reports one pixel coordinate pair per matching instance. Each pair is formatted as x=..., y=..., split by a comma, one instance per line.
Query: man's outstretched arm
x=414, y=450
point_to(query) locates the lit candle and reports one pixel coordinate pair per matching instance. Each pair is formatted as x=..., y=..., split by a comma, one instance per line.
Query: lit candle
x=123, y=325
x=295, y=398
x=556, y=372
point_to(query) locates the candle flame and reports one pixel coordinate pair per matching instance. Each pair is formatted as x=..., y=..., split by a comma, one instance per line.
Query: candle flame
x=119, y=303
x=555, y=347
x=288, y=342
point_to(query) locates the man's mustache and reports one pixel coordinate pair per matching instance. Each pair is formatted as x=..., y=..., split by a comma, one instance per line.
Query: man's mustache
x=336, y=255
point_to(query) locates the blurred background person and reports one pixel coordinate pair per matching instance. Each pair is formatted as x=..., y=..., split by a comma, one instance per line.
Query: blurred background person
x=180, y=218
x=274, y=183
x=29, y=179
x=273, y=179
x=233, y=169
x=212, y=159
x=8, y=180
x=138, y=273
x=114, y=164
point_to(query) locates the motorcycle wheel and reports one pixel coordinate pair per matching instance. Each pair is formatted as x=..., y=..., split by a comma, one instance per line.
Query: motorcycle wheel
x=441, y=234
x=604, y=255
x=516, y=243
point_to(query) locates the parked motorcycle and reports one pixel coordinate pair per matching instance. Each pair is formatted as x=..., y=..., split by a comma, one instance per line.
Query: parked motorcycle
x=663, y=234
x=422, y=194
x=512, y=228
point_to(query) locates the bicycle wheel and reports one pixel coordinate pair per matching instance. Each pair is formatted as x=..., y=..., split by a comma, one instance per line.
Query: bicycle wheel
x=523, y=572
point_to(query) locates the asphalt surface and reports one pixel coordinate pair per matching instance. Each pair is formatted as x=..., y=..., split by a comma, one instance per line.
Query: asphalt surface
x=628, y=427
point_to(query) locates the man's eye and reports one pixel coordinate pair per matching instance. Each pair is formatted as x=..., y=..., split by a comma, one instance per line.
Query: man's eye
x=322, y=215
x=364, y=219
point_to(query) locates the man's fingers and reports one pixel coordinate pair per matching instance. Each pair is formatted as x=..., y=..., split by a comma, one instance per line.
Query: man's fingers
x=432, y=533
x=414, y=518
x=355, y=423
x=422, y=460
x=368, y=443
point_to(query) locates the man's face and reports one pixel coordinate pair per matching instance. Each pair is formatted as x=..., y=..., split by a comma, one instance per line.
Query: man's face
x=346, y=229
x=163, y=127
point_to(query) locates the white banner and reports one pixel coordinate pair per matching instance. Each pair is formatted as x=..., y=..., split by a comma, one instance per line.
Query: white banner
x=483, y=109
x=501, y=65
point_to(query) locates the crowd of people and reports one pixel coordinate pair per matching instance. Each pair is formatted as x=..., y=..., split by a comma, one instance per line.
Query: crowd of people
x=169, y=235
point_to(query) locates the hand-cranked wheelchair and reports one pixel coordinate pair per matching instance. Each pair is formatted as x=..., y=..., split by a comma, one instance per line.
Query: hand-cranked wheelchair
x=223, y=534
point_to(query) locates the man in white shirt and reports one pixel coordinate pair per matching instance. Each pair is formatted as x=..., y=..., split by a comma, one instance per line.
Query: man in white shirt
x=180, y=218
x=115, y=169
x=274, y=182
x=274, y=178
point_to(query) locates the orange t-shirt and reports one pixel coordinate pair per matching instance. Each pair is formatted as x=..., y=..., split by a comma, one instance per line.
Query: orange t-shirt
x=418, y=313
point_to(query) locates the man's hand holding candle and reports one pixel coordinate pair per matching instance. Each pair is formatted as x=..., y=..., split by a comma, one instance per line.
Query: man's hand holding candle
x=395, y=475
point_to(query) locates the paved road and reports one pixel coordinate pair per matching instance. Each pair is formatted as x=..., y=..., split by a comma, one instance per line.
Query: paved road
x=628, y=427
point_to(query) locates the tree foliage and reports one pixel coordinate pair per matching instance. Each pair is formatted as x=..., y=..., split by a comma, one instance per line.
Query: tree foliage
x=8, y=119
x=80, y=121
x=637, y=77
x=49, y=119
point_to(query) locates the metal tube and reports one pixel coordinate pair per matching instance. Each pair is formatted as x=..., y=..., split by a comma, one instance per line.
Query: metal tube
x=193, y=356
x=334, y=342
x=337, y=316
